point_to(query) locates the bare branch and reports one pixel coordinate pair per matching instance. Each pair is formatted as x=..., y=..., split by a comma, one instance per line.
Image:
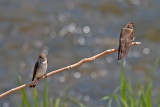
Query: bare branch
x=64, y=69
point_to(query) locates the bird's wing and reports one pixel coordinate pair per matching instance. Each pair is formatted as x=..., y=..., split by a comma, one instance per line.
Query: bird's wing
x=125, y=41
x=35, y=70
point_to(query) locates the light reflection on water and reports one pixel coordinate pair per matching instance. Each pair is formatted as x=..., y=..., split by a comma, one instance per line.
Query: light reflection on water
x=72, y=30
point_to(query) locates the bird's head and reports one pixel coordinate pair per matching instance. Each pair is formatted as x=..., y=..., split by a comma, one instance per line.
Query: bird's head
x=42, y=57
x=130, y=25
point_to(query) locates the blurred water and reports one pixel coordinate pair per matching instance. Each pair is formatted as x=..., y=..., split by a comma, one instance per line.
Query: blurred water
x=71, y=30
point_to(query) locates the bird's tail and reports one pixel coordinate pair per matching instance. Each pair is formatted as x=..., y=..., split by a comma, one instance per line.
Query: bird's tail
x=32, y=86
x=121, y=55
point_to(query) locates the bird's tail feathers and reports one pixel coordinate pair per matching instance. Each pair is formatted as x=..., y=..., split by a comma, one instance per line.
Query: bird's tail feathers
x=32, y=86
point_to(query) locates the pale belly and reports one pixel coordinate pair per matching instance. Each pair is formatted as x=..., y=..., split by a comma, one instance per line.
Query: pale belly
x=41, y=71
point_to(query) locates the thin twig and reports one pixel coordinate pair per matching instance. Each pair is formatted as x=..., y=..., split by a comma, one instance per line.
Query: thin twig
x=64, y=69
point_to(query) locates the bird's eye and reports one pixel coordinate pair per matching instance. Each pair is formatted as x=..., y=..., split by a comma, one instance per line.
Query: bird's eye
x=40, y=57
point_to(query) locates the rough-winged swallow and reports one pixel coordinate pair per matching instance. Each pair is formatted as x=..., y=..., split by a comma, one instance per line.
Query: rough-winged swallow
x=125, y=41
x=40, y=67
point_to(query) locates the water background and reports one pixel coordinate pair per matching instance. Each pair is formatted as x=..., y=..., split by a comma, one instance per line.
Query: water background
x=72, y=30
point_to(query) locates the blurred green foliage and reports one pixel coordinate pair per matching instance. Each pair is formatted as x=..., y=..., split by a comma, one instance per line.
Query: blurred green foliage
x=47, y=102
x=124, y=95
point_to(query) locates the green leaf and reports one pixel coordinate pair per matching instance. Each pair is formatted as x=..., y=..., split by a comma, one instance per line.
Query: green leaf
x=117, y=100
x=116, y=90
x=46, y=93
x=24, y=96
x=148, y=94
x=156, y=63
x=132, y=101
x=105, y=98
x=76, y=101
x=41, y=104
x=123, y=84
x=158, y=101
x=35, y=97
x=124, y=103
x=51, y=102
x=57, y=102
x=18, y=105
x=110, y=102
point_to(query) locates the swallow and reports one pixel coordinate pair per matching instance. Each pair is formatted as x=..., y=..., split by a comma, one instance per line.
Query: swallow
x=40, y=67
x=125, y=41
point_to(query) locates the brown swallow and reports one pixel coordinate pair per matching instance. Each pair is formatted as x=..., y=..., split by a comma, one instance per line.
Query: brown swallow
x=40, y=68
x=125, y=41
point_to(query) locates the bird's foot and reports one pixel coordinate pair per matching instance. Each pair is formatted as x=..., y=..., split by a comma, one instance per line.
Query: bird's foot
x=45, y=75
x=38, y=78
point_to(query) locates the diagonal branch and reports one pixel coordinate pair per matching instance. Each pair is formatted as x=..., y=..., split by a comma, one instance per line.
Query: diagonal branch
x=64, y=69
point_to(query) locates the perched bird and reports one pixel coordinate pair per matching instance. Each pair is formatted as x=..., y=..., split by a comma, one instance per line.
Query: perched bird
x=125, y=41
x=40, y=68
